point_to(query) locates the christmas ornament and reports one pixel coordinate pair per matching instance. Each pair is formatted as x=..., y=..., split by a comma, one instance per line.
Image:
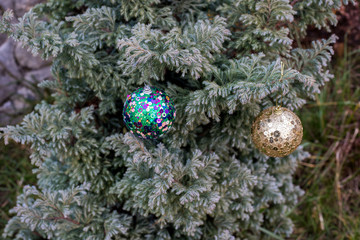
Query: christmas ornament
x=277, y=131
x=149, y=112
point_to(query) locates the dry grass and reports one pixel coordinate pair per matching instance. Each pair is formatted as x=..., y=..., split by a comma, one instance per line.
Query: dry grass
x=330, y=208
x=15, y=172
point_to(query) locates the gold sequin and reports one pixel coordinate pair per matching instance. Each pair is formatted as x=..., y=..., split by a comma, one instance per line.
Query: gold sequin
x=277, y=131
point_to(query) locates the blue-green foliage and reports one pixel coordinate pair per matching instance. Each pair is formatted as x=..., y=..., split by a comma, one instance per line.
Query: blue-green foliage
x=219, y=60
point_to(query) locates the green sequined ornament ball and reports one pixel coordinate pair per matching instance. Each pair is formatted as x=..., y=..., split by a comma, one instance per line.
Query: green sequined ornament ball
x=149, y=112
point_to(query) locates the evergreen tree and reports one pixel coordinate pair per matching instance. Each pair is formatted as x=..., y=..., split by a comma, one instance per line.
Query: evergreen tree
x=219, y=60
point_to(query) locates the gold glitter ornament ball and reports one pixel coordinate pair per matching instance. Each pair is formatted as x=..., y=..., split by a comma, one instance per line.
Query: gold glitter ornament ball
x=277, y=131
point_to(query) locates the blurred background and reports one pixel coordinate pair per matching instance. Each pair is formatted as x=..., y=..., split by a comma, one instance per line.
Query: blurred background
x=330, y=208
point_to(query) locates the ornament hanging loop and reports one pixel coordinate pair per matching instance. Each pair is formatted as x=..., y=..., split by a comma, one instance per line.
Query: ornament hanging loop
x=147, y=89
x=282, y=71
x=282, y=67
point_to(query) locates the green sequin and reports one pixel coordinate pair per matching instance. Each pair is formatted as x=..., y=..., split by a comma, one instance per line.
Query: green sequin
x=149, y=112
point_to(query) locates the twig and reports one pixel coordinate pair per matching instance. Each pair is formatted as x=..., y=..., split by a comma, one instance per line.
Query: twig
x=293, y=2
x=308, y=164
x=63, y=218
